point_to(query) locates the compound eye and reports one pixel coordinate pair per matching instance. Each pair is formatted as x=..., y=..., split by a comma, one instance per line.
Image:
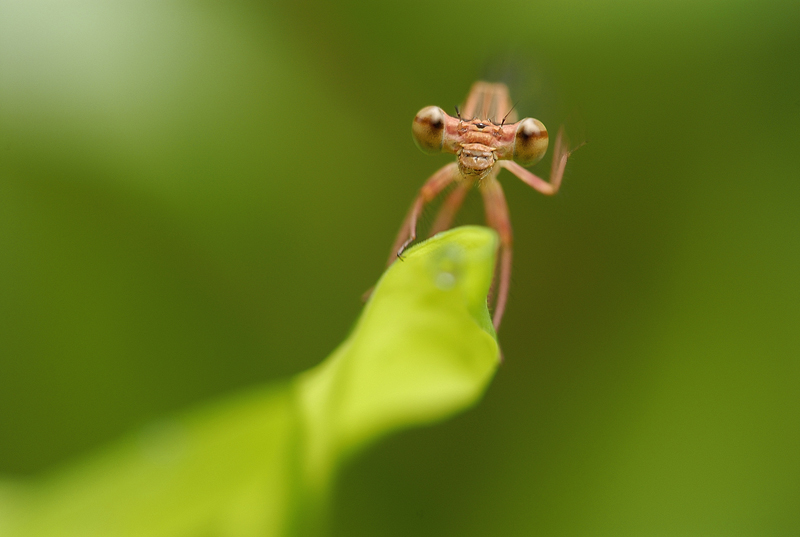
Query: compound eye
x=530, y=143
x=428, y=129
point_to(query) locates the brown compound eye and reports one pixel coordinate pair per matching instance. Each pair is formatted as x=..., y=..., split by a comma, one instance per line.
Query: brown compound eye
x=428, y=129
x=530, y=142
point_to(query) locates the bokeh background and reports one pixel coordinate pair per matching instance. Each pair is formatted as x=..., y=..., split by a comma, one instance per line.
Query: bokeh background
x=194, y=196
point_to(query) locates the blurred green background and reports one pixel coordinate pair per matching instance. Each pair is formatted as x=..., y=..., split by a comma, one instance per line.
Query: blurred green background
x=194, y=195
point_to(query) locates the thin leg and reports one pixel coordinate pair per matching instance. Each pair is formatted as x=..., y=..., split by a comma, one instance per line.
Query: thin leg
x=449, y=208
x=561, y=153
x=497, y=217
x=434, y=185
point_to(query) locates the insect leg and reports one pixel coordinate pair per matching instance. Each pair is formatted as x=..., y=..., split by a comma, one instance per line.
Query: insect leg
x=449, y=208
x=498, y=218
x=561, y=153
x=434, y=185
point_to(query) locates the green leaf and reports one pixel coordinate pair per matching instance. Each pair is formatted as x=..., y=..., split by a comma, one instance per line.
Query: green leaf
x=262, y=463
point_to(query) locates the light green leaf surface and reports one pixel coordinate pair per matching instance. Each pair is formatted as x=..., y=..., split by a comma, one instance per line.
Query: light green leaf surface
x=262, y=463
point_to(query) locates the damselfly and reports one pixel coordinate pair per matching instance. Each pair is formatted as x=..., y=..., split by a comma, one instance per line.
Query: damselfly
x=485, y=136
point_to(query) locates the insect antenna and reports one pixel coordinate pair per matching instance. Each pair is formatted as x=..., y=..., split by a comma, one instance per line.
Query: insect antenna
x=508, y=114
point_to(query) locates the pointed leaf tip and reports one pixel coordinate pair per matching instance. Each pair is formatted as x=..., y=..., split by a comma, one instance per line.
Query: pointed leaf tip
x=423, y=349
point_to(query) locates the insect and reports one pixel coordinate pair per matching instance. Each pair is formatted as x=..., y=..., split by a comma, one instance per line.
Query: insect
x=485, y=137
